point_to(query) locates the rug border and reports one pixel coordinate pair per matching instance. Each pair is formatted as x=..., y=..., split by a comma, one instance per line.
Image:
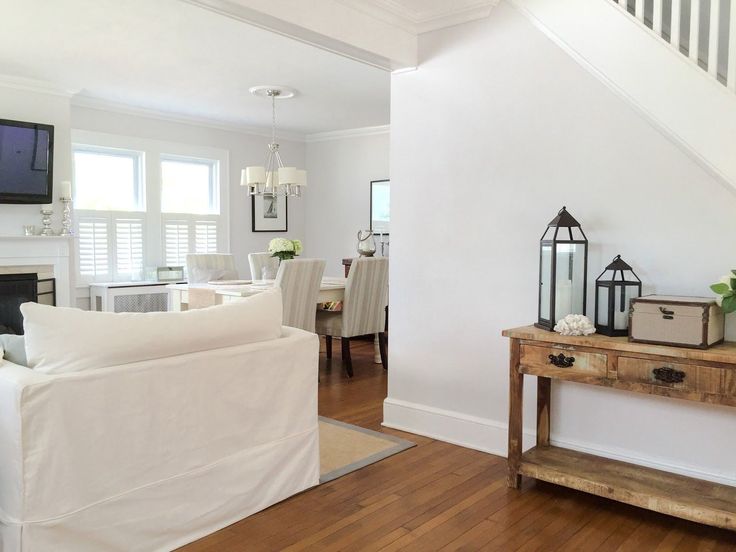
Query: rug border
x=400, y=446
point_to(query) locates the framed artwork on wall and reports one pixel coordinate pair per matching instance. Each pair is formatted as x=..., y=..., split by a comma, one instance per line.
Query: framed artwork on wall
x=270, y=213
x=380, y=206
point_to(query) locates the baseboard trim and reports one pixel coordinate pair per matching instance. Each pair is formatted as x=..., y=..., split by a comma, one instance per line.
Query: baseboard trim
x=488, y=435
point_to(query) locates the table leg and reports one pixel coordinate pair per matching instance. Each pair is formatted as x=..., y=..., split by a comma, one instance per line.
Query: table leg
x=516, y=392
x=544, y=388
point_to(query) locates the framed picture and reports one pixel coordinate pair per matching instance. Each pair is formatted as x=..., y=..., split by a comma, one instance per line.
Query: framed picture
x=270, y=213
x=380, y=206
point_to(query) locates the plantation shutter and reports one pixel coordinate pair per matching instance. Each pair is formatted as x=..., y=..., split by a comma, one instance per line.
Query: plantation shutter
x=94, y=260
x=176, y=242
x=129, y=248
x=205, y=236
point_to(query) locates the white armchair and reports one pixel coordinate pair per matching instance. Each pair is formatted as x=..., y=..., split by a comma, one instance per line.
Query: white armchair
x=300, y=280
x=363, y=309
x=258, y=261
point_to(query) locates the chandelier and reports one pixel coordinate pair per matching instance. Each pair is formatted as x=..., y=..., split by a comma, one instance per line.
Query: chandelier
x=274, y=178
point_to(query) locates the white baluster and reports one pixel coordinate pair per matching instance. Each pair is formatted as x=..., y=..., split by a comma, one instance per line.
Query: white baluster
x=639, y=10
x=675, y=29
x=694, y=30
x=624, y=4
x=713, y=32
x=731, y=75
x=657, y=17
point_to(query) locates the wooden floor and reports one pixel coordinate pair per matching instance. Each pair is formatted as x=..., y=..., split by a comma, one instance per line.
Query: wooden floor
x=438, y=496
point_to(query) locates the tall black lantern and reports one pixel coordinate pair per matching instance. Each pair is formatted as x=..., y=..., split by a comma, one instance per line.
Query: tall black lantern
x=563, y=269
x=617, y=285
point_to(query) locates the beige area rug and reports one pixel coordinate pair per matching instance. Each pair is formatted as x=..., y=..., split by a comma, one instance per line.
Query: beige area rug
x=344, y=448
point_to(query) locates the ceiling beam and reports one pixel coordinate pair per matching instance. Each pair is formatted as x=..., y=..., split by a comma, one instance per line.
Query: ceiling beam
x=327, y=24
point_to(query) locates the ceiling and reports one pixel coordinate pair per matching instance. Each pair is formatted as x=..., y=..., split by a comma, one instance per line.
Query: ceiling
x=419, y=16
x=175, y=57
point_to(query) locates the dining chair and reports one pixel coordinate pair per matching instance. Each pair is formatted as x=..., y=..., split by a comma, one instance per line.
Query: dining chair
x=363, y=309
x=300, y=280
x=203, y=268
x=259, y=261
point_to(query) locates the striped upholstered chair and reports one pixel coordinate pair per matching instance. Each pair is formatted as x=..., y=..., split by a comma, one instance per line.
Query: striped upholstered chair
x=300, y=280
x=203, y=268
x=363, y=310
x=258, y=261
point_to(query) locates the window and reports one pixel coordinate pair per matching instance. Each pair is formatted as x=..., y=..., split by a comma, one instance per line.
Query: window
x=144, y=203
x=107, y=179
x=188, y=186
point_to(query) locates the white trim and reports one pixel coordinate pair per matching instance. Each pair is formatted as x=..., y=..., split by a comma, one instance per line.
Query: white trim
x=89, y=102
x=264, y=20
x=348, y=133
x=487, y=435
x=656, y=123
x=417, y=22
x=33, y=85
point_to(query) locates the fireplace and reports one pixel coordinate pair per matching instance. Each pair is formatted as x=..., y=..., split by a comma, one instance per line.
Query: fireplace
x=15, y=289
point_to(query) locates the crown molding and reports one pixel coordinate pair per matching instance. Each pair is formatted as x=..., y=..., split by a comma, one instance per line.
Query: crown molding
x=90, y=102
x=33, y=85
x=417, y=22
x=348, y=133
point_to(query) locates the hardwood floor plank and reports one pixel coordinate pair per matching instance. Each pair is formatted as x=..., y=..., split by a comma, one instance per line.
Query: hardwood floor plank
x=438, y=496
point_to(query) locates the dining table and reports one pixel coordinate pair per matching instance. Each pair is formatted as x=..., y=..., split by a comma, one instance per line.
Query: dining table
x=218, y=293
x=331, y=289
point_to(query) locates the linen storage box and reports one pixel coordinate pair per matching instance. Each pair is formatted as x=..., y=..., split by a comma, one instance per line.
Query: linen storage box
x=678, y=321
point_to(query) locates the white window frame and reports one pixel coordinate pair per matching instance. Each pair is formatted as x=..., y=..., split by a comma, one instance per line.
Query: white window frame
x=138, y=156
x=153, y=152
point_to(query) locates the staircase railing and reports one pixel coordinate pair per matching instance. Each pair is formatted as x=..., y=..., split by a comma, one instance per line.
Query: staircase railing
x=702, y=30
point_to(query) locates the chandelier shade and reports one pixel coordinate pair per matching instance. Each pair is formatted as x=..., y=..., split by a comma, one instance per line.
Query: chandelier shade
x=273, y=178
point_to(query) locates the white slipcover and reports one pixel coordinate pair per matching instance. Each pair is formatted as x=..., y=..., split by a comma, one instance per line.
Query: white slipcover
x=154, y=454
x=62, y=339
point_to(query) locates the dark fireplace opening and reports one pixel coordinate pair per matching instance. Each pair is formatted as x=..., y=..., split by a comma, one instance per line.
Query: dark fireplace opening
x=15, y=289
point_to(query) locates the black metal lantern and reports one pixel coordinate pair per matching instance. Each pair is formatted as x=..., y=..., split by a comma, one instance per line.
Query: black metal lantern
x=563, y=270
x=617, y=285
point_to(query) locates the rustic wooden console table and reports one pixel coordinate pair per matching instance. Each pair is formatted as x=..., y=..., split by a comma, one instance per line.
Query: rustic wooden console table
x=707, y=376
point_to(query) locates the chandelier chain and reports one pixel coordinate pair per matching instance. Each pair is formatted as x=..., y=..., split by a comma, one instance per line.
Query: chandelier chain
x=273, y=118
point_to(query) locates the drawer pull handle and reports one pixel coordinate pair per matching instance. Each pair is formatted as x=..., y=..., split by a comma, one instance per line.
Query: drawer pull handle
x=669, y=375
x=561, y=361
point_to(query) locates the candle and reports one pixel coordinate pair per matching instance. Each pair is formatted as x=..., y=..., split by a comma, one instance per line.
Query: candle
x=65, y=189
x=47, y=207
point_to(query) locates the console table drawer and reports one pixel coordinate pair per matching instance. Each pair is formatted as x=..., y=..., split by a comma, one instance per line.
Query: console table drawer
x=683, y=377
x=564, y=359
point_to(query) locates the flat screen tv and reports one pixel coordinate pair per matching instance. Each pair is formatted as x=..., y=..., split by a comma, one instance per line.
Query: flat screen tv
x=26, y=162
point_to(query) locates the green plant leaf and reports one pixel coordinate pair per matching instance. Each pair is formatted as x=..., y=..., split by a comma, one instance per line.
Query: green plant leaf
x=720, y=288
x=729, y=304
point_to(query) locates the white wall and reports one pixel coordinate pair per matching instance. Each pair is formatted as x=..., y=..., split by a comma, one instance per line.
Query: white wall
x=37, y=107
x=338, y=197
x=496, y=130
x=244, y=150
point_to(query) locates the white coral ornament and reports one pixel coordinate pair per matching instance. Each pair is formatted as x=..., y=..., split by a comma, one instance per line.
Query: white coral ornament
x=575, y=324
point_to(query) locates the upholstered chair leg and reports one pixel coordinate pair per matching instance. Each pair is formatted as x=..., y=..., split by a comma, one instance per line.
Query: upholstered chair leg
x=346, y=360
x=328, y=346
x=382, y=347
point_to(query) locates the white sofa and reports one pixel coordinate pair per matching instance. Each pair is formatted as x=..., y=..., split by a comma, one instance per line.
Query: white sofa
x=153, y=454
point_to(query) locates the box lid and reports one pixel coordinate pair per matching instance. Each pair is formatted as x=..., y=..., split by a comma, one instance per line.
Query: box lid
x=675, y=299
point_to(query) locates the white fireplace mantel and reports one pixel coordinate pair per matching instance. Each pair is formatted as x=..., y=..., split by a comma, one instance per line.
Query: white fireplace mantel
x=54, y=251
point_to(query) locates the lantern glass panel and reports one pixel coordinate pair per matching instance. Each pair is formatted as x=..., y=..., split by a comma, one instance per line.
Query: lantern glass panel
x=623, y=294
x=546, y=281
x=569, y=280
x=602, y=302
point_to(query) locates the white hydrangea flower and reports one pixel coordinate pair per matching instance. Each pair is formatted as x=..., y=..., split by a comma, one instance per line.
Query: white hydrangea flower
x=575, y=324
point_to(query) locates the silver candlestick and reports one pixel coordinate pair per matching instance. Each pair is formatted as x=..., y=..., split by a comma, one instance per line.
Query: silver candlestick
x=46, y=212
x=66, y=217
